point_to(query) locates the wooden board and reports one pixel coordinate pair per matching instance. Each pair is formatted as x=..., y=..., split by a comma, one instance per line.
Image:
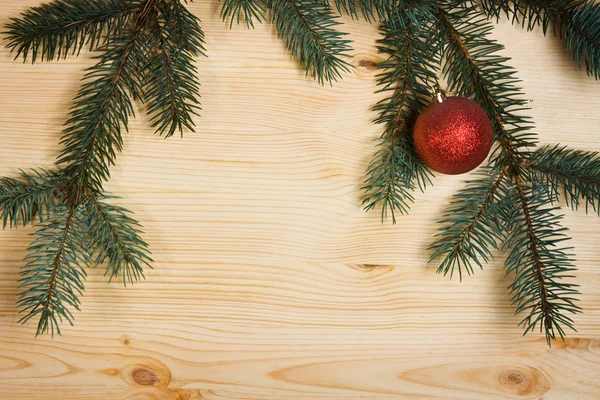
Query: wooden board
x=270, y=282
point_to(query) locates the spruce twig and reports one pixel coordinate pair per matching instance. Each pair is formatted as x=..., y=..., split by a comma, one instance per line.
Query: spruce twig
x=576, y=20
x=243, y=10
x=102, y=107
x=116, y=240
x=35, y=194
x=396, y=170
x=142, y=45
x=471, y=225
x=531, y=231
x=52, y=31
x=306, y=27
x=170, y=85
x=52, y=280
x=308, y=30
x=576, y=172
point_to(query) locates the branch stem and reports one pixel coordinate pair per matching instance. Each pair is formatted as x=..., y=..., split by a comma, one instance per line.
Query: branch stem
x=57, y=260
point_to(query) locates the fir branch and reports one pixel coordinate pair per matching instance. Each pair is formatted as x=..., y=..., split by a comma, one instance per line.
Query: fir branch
x=53, y=278
x=385, y=11
x=184, y=27
x=577, y=172
x=307, y=29
x=171, y=88
x=34, y=194
x=369, y=9
x=102, y=107
x=583, y=36
x=576, y=20
x=396, y=170
x=243, y=10
x=539, y=267
x=476, y=70
x=526, y=13
x=389, y=12
x=52, y=31
x=471, y=226
x=115, y=239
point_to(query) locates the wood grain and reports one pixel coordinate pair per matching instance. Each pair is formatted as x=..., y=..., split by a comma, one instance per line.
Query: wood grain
x=270, y=282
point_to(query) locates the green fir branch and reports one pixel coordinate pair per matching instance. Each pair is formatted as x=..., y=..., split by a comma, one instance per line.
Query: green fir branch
x=389, y=12
x=33, y=195
x=582, y=31
x=115, y=239
x=396, y=170
x=307, y=29
x=576, y=20
x=171, y=90
x=77, y=221
x=540, y=265
x=52, y=31
x=246, y=11
x=52, y=280
x=476, y=70
x=471, y=229
x=184, y=29
x=385, y=11
x=369, y=9
x=102, y=108
x=576, y=172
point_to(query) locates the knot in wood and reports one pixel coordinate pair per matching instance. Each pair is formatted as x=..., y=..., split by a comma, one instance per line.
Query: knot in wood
x=517, y=379
x=523, y=381
x=151, y=372
x=125, y=339
x=366, y=64
x=144, y=377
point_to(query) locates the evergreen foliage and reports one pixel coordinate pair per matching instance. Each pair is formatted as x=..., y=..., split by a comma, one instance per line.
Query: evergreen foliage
x=52, y=280
x=575, y=20
x=171, y=90
x=55, y=30
x=575, y=173
x=410, y=64
x=471, y=225
x=33, y=195
x=145, y=50
x=115, y=240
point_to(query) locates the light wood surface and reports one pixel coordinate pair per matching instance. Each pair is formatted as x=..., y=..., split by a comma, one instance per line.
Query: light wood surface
x=270, y=282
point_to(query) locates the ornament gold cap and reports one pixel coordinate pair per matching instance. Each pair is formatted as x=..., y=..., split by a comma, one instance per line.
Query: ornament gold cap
x=438, y=95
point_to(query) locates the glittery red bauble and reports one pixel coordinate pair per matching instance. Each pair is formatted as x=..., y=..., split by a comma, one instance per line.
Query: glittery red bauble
x=453, y=136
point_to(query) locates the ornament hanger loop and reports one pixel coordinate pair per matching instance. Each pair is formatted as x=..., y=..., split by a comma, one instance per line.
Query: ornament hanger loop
x=438, y=95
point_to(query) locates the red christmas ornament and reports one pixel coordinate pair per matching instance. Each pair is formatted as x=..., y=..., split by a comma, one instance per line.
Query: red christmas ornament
x=453, y=135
